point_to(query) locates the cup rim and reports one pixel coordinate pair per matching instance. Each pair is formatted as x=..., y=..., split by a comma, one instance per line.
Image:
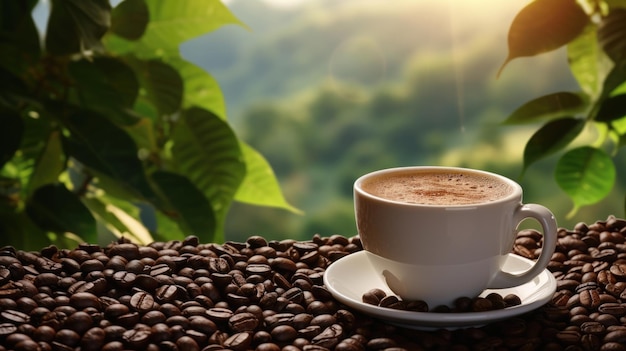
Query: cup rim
x=516, y=194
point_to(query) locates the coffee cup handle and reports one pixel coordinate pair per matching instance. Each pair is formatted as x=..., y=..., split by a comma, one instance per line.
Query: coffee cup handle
x=548, y=224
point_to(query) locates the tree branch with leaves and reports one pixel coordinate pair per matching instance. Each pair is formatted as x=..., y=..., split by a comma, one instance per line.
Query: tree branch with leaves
x=104, y=120
x=594, y=33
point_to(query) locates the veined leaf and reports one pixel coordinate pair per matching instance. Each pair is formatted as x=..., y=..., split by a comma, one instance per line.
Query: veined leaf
x=99, y=144
x=142, y=133
x=586, y=174
x=201, y=89
x=49, y=164
x=77, y=25
x=612, y=108
x=19, y=39
x=171, y=24
x=108, y=85
x=544, y=25
x=162, y=83
x=19, y=230
x=260, y=186
x=552, y=137
x=546, y=107
x=186, y=205
x=117, y=220
x=612, y=34
x=130, y=18
x=56, y=209
x=208, y=152
x=615, y=79
x=588, y=62
x=10, y=135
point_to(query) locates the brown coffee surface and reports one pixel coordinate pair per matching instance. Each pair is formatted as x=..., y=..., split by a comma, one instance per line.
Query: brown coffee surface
x=437, y=188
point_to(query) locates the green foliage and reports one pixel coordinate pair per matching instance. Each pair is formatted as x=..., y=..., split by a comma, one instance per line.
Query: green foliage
x=596, y=57
x=106, y=121
x=586, y=174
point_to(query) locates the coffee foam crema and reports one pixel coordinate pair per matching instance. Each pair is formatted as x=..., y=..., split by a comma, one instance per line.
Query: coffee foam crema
x=437, y=188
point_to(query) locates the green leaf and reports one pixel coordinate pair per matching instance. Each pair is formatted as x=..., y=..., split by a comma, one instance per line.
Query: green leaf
x=108, y=85
x=260, y=186
x=18, y=230
x=49, y=164
x=171, y=24
x=544, y=25
x=54, y=208
x=143, y=134
x=10, y=134
x=201, y=89
x=552, y=137
x=586, y=174
x=99, y=144
x=19, y=39
x=612, y=34
x=588, y=62
x=546, y=107
x=77, y=25
x=117, y=220
x=612, y=109
x=186, y=205
x=208, y=152
x=130, y=18
x=614, y=80
x=162, y=83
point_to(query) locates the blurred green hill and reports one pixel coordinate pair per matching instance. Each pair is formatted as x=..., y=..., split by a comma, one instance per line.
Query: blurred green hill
x=330, y=90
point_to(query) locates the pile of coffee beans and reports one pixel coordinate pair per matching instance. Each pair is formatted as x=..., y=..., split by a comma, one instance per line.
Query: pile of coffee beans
x=491, y=302
x=266, y=296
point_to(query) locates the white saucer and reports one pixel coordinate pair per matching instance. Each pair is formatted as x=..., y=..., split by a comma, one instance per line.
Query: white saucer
x=351, y=276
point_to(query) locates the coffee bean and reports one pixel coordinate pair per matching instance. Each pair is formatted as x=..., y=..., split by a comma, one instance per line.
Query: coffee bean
x=244, y=321
x=142, y=301
x=67, y=337
x=218, y=314
x=126, y=250
x=282, y=264
x=136, y=338
x=590, y=299
x=374, y=296
x=284, y=333
x=14, y=316
x=238, y=341
x=167, y=293
x=93, y=339
x=268, y=346
x=329, y=337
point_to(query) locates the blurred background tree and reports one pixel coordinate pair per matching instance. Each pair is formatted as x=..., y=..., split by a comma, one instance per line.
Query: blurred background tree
x=330, y=90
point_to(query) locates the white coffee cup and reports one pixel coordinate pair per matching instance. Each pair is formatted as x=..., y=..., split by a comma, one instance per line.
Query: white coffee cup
x=456, y=241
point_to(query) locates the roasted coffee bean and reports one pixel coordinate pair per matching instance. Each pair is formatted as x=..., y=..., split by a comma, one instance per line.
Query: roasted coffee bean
x=374, y=296
x=244, y=321
x=392, y=301
x=294, y=295
x=284, y=333
x=142, y=302
x=14, y=316
x=238, y=341
x=136, y=338
x=82, y=300
x=219, y=314
x=590, y=299
x=167, y=293
x=93, y=339
x=244, y=296
x=329, y=337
